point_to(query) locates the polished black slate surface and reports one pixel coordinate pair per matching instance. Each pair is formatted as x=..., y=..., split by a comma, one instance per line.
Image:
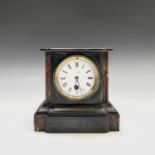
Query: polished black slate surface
x=74, y=124
x=79, y=119
x=76, y=49
x=56, y=58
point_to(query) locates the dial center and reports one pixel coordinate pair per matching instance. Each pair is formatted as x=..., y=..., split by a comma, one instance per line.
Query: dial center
x=76, y=77
x=76, y=87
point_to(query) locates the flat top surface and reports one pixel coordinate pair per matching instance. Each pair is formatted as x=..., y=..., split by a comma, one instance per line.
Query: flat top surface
x=77, y=49
x=77, y=110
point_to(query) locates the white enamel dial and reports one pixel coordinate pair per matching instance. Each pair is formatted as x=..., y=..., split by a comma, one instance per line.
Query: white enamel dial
x=76, y=77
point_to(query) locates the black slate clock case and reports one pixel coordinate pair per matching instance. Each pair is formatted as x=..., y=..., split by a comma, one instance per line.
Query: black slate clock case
x=58, y=114
x=56, y=98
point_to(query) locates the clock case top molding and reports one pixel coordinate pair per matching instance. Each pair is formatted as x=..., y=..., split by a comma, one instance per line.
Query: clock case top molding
x=58, y=114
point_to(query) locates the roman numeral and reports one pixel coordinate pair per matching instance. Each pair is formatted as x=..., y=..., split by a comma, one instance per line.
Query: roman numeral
x=90, y=77
x=76, y=64
x=64, y=71
x=83, y=66
x=88, y=84
x=69, y=66
x=76, y=91
x=70, y=89
x=88, y=71
x=64, y=84
x=62, y=78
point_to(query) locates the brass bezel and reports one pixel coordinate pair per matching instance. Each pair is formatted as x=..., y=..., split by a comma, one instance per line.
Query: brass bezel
x=71, y=97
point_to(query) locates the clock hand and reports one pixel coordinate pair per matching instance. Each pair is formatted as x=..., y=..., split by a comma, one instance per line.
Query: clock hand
x=79, y=86
x=76, y=86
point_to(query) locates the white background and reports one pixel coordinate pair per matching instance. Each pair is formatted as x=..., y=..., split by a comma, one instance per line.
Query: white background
x=132, y=88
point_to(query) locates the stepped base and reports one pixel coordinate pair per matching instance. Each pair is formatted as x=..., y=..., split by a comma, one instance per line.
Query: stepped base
x=76, y=119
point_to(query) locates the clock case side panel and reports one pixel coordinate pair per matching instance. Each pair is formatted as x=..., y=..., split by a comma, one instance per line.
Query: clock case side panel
x=105, y=59
x=48, y=67
x=54, y=58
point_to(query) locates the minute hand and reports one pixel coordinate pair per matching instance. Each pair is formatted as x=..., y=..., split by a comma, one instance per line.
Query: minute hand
x=79, y=86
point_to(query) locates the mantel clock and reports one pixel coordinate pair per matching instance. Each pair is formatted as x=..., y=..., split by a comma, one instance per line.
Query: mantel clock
x=76, y=93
